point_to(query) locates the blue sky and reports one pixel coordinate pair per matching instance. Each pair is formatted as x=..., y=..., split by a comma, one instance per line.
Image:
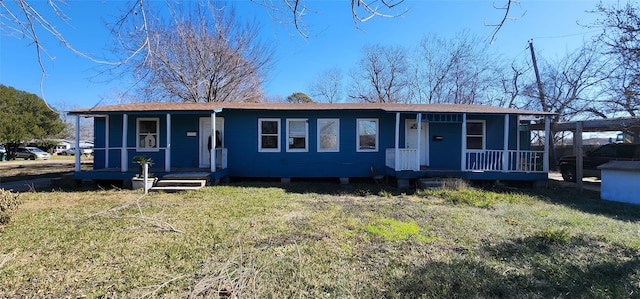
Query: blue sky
x=334, y=40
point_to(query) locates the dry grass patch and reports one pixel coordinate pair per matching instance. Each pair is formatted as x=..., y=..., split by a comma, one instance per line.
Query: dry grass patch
x=318, y=240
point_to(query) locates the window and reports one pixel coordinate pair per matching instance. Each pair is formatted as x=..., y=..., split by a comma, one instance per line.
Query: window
x=367, y=135
x=269, y=135
x=147, y=134
x=475, y=134
x=328, y=135
x=297, y=135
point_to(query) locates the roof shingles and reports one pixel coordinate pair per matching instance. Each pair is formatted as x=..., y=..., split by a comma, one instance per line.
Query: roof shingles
x=200, y=107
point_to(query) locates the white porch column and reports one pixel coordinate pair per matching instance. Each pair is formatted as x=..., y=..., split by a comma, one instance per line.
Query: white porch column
x=167, y=152
x=463, y=156
x=518, y=134
x=77, y=150
x=124, y=157
x=397, y=143
x=505, y=151
x=106, y=142
x=418, y=153
x=547, y=142
x=212, y=151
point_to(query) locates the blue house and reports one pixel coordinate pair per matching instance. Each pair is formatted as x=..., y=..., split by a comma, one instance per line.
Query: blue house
x=314, y=140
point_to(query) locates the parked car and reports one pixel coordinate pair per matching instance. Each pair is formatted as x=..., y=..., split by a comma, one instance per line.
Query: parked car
x=32, y=153
x=72, y=151
x=592, y=159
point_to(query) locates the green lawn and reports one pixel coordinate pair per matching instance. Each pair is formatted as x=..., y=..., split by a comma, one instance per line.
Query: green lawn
x=320, y=240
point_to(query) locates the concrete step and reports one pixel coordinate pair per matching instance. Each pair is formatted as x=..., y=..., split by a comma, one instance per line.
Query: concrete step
x=175, y=182
x=174, y=188
x=430, y=183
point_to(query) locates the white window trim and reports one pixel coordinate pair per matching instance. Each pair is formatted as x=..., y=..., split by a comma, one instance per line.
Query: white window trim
x=337, y=149
x=306, y=135
x=484, y=135
x=358, y=149
x=148, y=149
x=268, y=150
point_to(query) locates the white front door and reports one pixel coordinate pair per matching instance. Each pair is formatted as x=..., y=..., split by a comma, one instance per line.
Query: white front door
x=411, y=139
x=204, y=141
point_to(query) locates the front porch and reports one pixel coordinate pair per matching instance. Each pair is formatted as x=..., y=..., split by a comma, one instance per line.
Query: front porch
x=505, y=158
x=488, y=164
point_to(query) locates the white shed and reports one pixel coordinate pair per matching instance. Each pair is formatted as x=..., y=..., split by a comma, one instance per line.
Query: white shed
x=621, y=181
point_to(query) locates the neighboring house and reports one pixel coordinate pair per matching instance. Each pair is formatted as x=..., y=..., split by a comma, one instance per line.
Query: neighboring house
x=313, y=140
x=62, y=146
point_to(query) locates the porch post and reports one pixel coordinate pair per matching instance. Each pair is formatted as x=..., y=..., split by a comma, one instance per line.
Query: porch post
x=167, y=152
x=106, y=142
x=505, y=151
x=419, y=121
x=77, y=151
x=463, y=156
x=124, y=165
x=212, y=151
x=577, y=147
x=397, y=143
x=547, y=143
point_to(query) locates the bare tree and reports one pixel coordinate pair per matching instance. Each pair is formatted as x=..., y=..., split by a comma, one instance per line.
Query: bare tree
x=458, y=71
x=381, y=75
x=620, y=24
x=328, y=85
x=571, y=85
x=201, y=55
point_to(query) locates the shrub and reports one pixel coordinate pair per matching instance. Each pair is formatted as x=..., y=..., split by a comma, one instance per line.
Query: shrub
x=8, y=205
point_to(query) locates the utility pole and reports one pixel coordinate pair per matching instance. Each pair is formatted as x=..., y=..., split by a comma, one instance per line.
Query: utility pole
x=545, y=108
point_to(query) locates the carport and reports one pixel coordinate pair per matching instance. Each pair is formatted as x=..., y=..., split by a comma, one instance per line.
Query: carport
x=630, y=126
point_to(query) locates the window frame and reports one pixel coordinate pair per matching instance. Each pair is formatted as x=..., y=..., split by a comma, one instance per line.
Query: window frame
x=306, y=135
x=483, y=136
x=261, y=149
x=156, y=148
x=337, y=135
x=377, y=135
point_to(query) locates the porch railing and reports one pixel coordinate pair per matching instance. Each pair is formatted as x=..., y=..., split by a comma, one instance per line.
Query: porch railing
x=493, y=160
x=221, y=158
x=407, y=159
x=486, y=160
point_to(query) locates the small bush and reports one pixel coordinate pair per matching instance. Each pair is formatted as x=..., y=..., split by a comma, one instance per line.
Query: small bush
x=8, y=205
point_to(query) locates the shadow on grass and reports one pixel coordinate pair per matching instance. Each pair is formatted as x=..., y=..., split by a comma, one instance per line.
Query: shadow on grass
x=590, y=202
x=532, y=267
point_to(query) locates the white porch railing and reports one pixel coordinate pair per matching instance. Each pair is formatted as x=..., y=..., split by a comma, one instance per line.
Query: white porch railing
x=487, y=160
x=493, y=160
x=526, y=161
x=407, y=159
x=221, y=158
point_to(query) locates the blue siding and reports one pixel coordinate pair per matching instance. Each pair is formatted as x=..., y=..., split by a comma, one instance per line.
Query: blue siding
x=445, y=154
x=99, y=125
x=244, y=159
x=184, y=149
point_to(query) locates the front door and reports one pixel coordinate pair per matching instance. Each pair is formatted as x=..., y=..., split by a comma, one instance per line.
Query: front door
x=411, y=139
x=206, y=139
